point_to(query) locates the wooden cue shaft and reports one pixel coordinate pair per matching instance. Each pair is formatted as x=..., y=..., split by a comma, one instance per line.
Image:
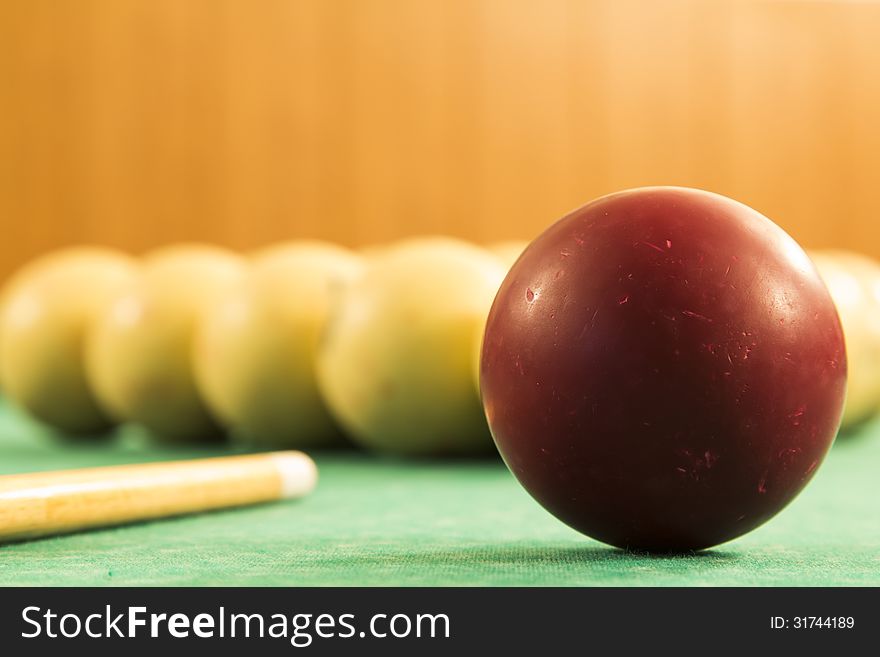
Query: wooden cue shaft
x=43, y=503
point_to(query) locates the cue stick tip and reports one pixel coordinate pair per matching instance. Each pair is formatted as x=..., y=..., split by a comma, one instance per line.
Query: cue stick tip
x=298, y=473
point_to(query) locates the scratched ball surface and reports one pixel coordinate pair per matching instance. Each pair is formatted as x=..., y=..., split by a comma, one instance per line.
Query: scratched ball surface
x=663, y=369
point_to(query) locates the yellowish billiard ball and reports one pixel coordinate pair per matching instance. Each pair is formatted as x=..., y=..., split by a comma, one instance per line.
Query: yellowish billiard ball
x=139, y=353
x=255, y=349
x=395, y=364
x=45, y=313
x=854, y=283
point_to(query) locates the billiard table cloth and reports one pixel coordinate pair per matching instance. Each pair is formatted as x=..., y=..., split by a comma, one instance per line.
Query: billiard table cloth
x=382, y=521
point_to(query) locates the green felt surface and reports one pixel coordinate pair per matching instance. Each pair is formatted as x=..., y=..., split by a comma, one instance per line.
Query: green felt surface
x=377, y=521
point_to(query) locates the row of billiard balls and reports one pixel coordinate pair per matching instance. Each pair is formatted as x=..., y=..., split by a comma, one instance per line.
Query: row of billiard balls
x=300, y=345
x=193, y=337
x=662, y=369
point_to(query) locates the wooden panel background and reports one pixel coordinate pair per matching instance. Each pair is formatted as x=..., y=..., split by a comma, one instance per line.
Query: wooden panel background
x=138, y=122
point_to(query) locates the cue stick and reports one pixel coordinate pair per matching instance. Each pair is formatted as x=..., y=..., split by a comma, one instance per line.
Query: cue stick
x=44, y=503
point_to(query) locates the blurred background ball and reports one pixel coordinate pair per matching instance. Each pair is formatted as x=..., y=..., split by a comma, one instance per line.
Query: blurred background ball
x=256, y=348
x=396, y=362
x=854, y=283
x=139, y=354
x=46, y=310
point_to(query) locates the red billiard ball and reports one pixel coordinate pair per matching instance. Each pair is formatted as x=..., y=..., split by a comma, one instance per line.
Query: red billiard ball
x=663, y=369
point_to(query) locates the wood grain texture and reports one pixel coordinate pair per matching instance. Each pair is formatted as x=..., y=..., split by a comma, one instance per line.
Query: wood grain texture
x=134, y=123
